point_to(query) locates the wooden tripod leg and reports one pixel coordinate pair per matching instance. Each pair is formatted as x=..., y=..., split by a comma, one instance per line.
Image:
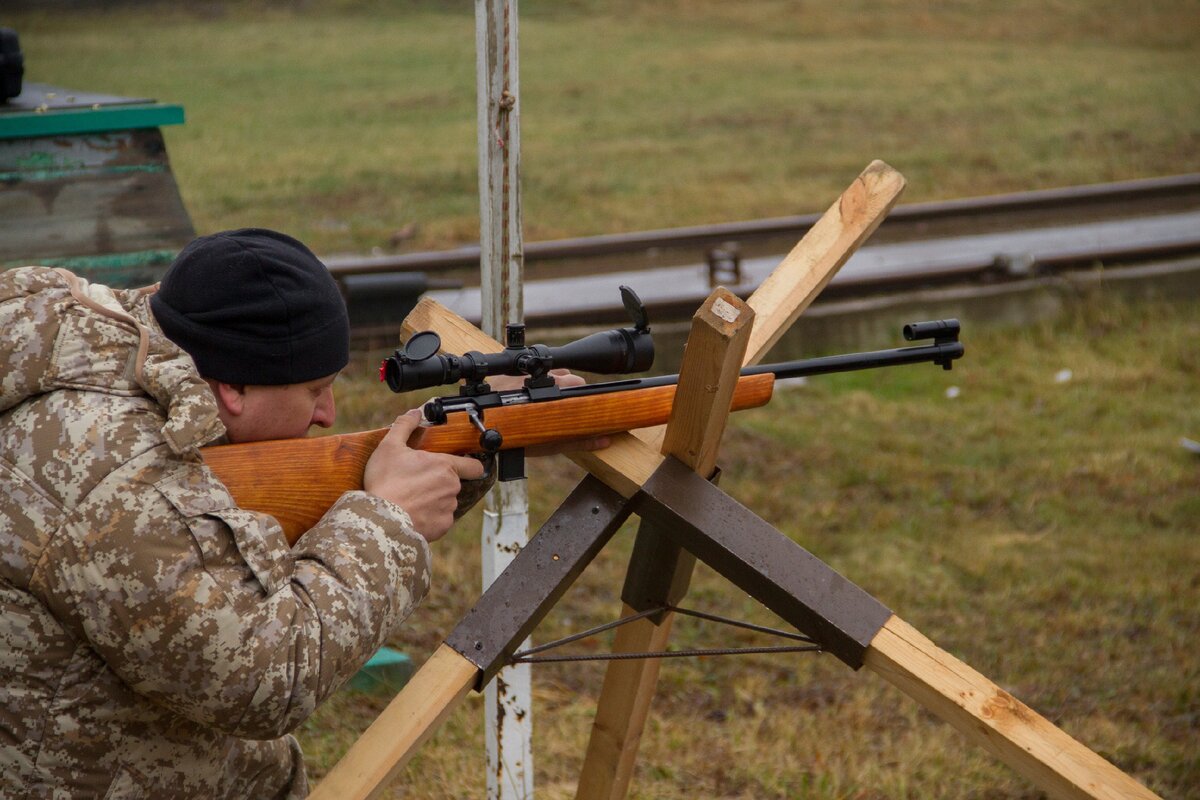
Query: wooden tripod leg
x=622, y=710
x=991, y=717
x=387, y=745
x=795, y=283
x=716, y=346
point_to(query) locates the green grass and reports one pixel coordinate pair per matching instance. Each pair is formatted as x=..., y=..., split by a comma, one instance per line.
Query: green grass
x=1042, y=530
x=347, y=122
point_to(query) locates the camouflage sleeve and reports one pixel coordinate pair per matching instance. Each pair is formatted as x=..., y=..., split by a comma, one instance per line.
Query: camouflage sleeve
x=203, y=608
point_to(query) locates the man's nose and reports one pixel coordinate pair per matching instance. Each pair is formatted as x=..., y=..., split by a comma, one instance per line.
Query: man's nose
x=325, y=412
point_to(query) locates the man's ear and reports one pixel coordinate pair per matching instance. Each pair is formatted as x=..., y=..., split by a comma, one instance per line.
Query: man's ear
x=230, y=396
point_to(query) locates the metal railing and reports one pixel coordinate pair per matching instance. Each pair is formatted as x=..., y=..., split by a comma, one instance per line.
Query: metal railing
x=906, y=221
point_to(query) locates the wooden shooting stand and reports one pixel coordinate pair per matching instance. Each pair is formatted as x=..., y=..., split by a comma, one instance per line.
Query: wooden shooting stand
x=662, y=476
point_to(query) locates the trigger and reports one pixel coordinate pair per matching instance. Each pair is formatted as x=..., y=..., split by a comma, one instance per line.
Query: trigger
x=489, y=464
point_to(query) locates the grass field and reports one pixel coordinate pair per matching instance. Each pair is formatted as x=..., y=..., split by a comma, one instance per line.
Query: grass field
x=1044, y=531
x=352, y=124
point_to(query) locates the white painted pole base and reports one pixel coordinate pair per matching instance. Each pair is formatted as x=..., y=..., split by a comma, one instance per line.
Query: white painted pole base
x=507, y=699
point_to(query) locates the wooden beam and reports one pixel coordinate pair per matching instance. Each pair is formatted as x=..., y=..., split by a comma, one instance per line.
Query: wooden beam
x=994, y=719
x=621, y=710
x=813, y=262
x=779, y=299
x=396, y=734
x=715, y=348
x=807, y=269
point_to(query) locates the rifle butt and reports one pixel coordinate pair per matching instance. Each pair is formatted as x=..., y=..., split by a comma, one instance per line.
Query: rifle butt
x=293, y=480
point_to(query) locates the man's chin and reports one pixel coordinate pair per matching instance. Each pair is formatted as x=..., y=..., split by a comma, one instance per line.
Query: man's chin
x=269, y=436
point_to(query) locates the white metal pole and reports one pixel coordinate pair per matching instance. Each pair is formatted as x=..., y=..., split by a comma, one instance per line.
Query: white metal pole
x=507, y=699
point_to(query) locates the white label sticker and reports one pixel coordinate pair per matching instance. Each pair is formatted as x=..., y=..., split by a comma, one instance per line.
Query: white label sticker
x=725, y=310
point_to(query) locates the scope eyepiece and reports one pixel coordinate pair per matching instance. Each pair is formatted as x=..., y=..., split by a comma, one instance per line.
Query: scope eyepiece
x=939, y=330
x=405, y=375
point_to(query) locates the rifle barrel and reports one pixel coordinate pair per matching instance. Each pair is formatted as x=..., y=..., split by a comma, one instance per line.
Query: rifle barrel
x=942, y=353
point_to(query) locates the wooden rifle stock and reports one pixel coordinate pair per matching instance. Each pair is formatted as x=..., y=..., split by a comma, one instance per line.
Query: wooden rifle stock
x=297, y=480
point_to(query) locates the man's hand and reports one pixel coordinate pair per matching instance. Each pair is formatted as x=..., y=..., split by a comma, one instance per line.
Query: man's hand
x=426, y=485
x=563, y=378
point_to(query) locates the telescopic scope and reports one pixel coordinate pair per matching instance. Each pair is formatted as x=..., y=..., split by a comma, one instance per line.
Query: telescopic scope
x=419, y=365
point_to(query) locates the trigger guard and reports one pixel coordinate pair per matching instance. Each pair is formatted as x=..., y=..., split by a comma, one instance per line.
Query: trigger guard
x=473, y=490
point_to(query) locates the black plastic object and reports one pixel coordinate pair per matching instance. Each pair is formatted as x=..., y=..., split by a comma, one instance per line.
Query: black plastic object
x=12, y=64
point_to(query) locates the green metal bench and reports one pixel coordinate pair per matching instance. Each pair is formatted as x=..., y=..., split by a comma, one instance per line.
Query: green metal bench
x=85, y=183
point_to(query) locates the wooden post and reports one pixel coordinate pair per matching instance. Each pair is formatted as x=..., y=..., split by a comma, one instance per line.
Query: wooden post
x=715, y=348
x=507, y=710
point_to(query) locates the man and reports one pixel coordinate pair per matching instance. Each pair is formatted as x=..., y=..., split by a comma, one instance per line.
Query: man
x=156, y=640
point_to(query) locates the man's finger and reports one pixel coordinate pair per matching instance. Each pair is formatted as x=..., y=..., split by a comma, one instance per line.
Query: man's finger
x=564, y=378
x=598, y=443
x=575, y=446
x=467, y=468
x=406, y=424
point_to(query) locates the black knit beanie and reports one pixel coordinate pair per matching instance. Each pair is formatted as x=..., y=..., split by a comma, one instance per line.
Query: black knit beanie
x=254, y=306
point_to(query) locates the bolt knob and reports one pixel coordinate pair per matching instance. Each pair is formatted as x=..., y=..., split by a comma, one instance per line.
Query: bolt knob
x=490, y=440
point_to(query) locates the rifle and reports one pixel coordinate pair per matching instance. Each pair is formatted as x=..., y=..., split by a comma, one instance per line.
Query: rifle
x=306, y=476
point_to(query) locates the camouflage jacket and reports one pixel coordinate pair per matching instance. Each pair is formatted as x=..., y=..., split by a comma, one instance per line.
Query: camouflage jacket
x=156, y=640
